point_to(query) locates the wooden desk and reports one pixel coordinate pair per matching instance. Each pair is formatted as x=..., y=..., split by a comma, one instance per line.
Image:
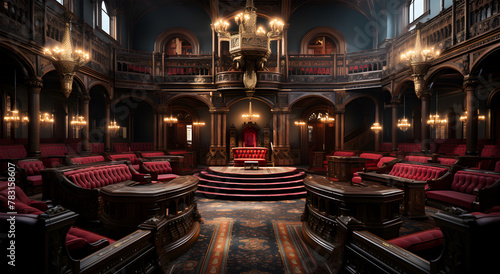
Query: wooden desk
x=126, y=206
x=340, y=168
x=375, y=205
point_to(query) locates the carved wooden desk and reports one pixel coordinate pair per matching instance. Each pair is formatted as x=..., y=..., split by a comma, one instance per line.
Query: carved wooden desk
x=340, y=168
x=376, y=205
x=126, y=206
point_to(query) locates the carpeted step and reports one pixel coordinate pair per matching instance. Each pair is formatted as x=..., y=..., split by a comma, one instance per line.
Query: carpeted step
x=245, y=179
x=256, y=191
x=252, y=197
x=259, y=185
x=258, y=173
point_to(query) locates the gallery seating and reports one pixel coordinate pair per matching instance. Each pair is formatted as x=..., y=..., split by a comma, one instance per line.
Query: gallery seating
x=452, y=149
x=53, y=154
x=130, y=156
x=147, y=154
x=417, y=158
x=81, y=160
x=426, y=244
x=406, y=171
x=473, y=190
x=141, y=146
x=12, y=152
x=29, y=172
x=242, y=154
x=121, y=147
x=77, y=187
x=161, y=170
x=410, y=147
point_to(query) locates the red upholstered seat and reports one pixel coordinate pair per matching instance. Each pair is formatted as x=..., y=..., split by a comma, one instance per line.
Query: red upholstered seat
x=12, y=152
x=121, y=147
x=128, y=156
x=32, y=169
x=381, y=162
x=497, y=167
x=447, y=161
x=23, y=204
x=87, y=159
x=240, y=155
x=141, y=146
x=461, y=192
x=420, y=241
x=417, y=158
x=152, y=154
x=410, y=147
x=97, y=177
x=417, y=172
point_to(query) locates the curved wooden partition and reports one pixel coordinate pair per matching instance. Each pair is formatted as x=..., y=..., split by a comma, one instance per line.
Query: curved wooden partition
x=375, y=205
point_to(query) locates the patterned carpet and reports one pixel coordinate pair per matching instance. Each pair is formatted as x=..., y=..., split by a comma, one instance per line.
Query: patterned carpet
x=257, y=237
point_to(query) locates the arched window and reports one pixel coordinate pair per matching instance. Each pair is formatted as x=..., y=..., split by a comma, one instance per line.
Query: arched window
x=105, y=19
x=60, y=2
x=416, y=9
x=322, y=40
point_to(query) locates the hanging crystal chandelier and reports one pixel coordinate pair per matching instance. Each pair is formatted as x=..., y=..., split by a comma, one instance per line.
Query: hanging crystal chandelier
x=376, y=127
x=46, y=119
x=78, y=122
x=13, y=116
x=114, y=127
x=250, y=116
x=419, y=60
x=463, y=117
x=199, y=124
x=327, y=120
x=66, y=61
x=250, y=47
x=403, y=123
x=434, y=120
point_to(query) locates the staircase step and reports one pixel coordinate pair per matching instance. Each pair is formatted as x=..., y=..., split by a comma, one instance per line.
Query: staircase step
x=269, y=179
x=252, y=197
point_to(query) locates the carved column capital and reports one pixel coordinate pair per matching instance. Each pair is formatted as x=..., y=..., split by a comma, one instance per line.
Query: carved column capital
x=395, y=101
x=470, y=81
x=35, y=83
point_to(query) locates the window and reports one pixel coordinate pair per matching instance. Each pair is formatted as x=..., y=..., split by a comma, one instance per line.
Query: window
x=60, y=2
x=105, y=19
x=416, y=9
x=321, y=45
x=189, y=134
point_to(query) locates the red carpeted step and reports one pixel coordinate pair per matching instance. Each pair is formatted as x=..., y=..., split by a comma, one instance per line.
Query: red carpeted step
x=270, y=178
x=266, y=183
x=230, y=196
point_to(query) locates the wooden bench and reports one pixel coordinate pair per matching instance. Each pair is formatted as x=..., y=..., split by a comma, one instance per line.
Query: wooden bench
x=77, y=187
x=469, y=189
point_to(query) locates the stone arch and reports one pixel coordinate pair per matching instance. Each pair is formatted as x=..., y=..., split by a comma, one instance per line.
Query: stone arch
x=264, y=100
x=20, y=58
x=434, y=71
x=305, y=96
x=483, y=56
x=396, y=93
x=361, y=96
x=332, y=33
x=179, y=32
x=198, y=97
x=104, y=86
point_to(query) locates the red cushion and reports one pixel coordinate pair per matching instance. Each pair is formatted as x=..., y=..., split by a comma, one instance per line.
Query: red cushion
x=466, y=182
x=36, y=180
x=167, y=177
x=12, y=152
x=452, y=197
x=31, y=167
x=420, y=241
x=75, y=243
x=90, y=237
x=87, y=160
x=153, y=154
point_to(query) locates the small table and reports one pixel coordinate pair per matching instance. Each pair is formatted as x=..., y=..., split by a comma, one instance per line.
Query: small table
x=251, y=164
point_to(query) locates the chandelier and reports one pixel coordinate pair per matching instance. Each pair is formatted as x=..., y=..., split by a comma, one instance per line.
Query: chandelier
x=463, y=117
x=300, y=123
x=403, y=123
x=434, y=120
x=170, y=120
x=199, y=124
x=114, y=127
x=250, y=47
x=327, y=120
x=78, y=122
x=249, y=116
x=419, y=61
x=46, y=119
x=12, y=116
x=376, y=127
x=66, y=61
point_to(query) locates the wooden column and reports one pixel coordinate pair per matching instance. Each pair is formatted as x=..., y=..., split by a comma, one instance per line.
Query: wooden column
x=339, y=128
x=34, y=87
x=425, y=99
x=281, y=132
x=107, y=122
x=337, y=131
x=218, y=150
x=470, y=85
x=394, y=129
x=85, y=134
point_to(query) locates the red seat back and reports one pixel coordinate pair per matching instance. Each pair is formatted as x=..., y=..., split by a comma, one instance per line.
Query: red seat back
x=467, y=181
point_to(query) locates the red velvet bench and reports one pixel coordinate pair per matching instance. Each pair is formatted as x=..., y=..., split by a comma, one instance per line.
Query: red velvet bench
x=159, y=170
x=382, y=163
x=242, y=154
x=472, y=190
x=85, y=159
x=77, y=187
x=134, y=160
